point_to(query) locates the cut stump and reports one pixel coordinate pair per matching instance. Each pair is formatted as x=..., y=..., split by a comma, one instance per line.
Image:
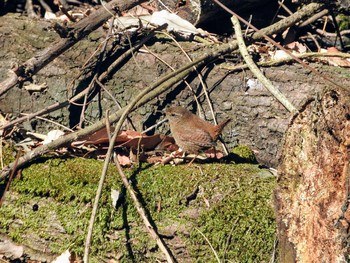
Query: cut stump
x=313, y=193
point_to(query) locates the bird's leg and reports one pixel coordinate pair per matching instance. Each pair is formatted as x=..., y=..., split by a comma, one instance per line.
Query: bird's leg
x=192, y=160
x=173, y=155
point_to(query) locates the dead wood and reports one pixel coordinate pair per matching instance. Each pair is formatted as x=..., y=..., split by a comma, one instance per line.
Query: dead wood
x=256, y=71
x=312, y=199
x=74, y=34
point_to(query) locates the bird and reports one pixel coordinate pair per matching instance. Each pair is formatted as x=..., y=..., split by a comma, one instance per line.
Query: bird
x=191, y=133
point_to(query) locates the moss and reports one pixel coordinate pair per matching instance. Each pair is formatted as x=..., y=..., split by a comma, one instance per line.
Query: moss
x=8, y=152
x=241, y=226
x=233, y=204
x=343, y=22
x=243, y=154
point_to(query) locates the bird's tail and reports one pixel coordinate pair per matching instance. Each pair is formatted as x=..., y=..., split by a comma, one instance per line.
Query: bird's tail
x=218, y=129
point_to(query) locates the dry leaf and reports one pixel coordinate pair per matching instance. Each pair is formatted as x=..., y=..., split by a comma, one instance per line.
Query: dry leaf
x=335, y=61
x=297, y=47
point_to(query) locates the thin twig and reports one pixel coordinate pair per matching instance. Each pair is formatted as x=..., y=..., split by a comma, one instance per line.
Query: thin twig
x=108, y=126
x=2, y=198
x=51, y=121
x=68, y=15
x=143, y=215
x=121, y=120
x=328, y=34
x=274, y=252
x=206, y=239
x=276, y=62
x=154, y=126
x=98, y=64
x=262, y=33
x=89, y=88
x=173, y=69
x=336, y=26
x=313, y=18
x=45, y=6
x=315, y=41
x=256, y=71
x=129, y=121
x=229, y=238
x=281, y=3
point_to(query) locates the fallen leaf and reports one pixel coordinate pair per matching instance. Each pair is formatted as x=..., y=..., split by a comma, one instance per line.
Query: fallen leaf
x=335, y=61
x=297, y=47
x=130, y=139
x=144, y=142
x=167, y=144
x=279, y=55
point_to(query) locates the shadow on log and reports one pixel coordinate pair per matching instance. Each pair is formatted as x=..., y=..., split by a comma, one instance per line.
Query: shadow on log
x=312, y=198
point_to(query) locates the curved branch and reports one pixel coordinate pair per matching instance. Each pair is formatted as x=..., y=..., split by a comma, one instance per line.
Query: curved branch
x=256, y=71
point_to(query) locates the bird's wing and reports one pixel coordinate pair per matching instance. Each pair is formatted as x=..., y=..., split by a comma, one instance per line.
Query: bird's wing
x=199, y=137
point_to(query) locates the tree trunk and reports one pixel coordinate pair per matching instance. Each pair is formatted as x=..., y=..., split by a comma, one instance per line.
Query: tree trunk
x=313, y=196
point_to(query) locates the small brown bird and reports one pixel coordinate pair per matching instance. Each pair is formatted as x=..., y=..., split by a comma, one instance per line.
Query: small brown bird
x=191, y=133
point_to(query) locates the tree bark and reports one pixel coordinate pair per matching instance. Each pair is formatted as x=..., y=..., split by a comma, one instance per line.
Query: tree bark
x=312, y=198
x=74, y=35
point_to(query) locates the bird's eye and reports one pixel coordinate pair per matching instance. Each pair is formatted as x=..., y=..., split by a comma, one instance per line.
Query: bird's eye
x=172, y=114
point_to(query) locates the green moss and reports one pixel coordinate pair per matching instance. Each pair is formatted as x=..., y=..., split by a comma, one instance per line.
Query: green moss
x=233, y=202
x=343, y=22
x=241, y=226
x=8, y=153
x=243, y=154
